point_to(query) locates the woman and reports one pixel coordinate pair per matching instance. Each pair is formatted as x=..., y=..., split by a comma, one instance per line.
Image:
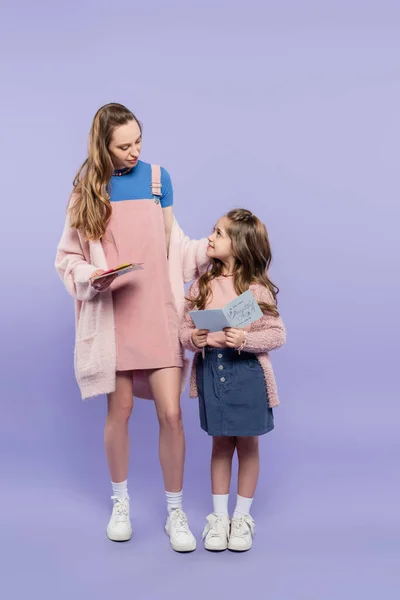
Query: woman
x=127, y=328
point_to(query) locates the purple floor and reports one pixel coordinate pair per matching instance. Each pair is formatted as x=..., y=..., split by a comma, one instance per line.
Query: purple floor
x=328, y=525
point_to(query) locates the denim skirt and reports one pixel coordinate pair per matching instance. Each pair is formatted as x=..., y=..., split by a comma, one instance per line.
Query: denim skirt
x=233, y=396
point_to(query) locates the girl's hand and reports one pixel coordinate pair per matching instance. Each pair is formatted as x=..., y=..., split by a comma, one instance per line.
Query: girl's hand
x=199, y=337
x=102, y=284
x=234, y=337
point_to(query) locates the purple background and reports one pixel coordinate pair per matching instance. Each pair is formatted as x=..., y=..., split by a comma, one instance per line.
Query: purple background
x=290, y=108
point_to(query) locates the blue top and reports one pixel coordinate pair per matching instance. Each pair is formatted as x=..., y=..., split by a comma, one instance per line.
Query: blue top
x=136, y=185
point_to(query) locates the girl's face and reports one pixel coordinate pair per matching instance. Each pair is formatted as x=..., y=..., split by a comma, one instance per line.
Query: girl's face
x=125, y=146
x=219, y=242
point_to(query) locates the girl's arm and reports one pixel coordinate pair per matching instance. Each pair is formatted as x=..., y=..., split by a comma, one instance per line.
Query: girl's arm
x=268, y=333
x=187, y=326
x=72, y=267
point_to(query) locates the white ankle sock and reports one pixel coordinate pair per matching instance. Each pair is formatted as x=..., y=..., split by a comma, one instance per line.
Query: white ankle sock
x=120, y=490
x=243, y=506
x=220, y=503
x=174, y=500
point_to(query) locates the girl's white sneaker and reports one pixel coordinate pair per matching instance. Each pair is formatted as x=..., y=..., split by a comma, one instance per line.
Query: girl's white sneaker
x=216, y=533
x=242, y=533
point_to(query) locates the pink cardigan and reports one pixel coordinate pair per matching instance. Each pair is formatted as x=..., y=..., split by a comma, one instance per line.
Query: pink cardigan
x=95, y=346
x=265, y=335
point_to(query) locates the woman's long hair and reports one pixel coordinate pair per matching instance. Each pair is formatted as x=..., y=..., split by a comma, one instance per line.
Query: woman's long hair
x=252, y=252
x=91, y=209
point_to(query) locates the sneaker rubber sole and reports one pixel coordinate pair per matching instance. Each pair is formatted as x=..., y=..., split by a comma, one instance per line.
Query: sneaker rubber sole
x=234, y=548
x=212, y=548
x=119, y=537
x=180, y=547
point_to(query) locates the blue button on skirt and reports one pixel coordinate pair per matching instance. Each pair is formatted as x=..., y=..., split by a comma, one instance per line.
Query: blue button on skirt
x=233, y=397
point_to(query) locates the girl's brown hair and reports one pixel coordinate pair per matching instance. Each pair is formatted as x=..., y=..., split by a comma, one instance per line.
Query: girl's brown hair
x=91, y=209
x=252, y=252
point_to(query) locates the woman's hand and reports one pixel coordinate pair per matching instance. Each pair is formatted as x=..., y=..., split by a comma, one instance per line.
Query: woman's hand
x=234, y=337
x=102, y=284
x=199, y=337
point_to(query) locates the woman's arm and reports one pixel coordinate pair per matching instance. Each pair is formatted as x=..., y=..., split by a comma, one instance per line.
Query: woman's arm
x=195, y=259
x=72, y=267
x=167, y=201
x=193, y=252
x=168, y=213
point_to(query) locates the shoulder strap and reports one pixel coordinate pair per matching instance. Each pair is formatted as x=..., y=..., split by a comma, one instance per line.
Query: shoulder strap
x=156, y=180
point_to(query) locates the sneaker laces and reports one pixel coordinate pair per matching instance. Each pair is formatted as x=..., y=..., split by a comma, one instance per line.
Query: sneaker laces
x=242, y=525
x=179, y=521
x=120, y=509
x=214, y=527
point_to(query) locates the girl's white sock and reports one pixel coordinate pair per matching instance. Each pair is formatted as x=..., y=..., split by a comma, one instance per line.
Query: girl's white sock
x=243, y=506
x=220, y=503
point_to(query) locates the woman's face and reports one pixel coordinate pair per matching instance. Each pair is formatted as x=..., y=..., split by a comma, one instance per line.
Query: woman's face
x=125, y=145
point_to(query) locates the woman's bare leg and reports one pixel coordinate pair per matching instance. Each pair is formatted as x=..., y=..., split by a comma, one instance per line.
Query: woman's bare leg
x=166, y=388
x=116, y=435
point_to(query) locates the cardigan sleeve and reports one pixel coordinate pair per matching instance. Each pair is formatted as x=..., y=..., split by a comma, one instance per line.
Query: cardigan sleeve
x=187, y=326
x=268, y=333
x=72, y=267
x=195, y=258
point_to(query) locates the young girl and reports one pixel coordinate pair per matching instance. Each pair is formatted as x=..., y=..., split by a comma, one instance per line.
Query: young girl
x=232, y=374
x=127, y=330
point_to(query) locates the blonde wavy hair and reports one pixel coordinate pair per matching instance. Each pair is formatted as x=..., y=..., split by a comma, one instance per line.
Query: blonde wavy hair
x=253, y=256
x=91, y=209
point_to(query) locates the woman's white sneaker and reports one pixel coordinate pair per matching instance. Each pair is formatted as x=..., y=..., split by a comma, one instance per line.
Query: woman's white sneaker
x=216, y=533
x=180, y=536
x=119, y=528
x=242, y=533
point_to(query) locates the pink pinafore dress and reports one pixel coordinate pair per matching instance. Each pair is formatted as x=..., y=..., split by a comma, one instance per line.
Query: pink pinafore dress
x=146, y=320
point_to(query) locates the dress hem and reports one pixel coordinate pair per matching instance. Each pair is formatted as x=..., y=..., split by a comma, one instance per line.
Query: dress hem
x=156, y=367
